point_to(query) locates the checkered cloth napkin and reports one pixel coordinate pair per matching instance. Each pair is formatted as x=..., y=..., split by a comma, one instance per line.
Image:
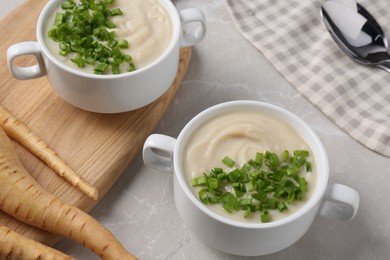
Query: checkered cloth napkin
x=292, y=36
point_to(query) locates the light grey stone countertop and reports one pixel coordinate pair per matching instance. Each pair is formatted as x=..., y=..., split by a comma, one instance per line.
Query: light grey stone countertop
x=140, y=209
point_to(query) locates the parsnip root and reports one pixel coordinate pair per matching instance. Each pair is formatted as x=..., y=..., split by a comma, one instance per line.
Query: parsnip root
x=21, y=133
x=14, y=246
x=24, y=199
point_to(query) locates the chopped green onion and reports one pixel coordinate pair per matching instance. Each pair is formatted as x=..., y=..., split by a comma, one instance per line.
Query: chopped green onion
x=100, y=68
x=111, y=44
x=222, y=176
x=272, y=160
x=217, y=171
x=115, y=68
x=259, y=158
x=123, y=44
x=203, y=196
x=245, y=168
x=301, y=153
x=228, y=161
x=246, y=201
x=79, y=61
x=213, y=183
x=110, y=24
x=251, y=186
x=285, y=156
x=308, y=166
x=265, y=217
x=303, y=184
x=58, y=18
x=116, y=11
x=68, y=5
x=257, y=187
x=235, y=175
x=239, y=189
x=132, y=67
x=199, y=181
x=229, y=202
x=260, y=196
x=248, y=211
x=83, y=29
x=254, y=164
x=282, y=206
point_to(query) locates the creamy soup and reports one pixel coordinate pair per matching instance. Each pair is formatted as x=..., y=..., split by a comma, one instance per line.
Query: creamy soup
x=145, y=24
x=240, y=135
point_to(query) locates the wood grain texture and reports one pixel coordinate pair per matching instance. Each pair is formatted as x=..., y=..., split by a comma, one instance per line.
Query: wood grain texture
x=98, y=146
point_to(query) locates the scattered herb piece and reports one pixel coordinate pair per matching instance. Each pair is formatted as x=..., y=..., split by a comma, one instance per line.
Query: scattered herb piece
x=228, y=161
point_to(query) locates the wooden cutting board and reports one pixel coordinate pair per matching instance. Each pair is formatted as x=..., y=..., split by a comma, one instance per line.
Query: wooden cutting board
x=98, y=146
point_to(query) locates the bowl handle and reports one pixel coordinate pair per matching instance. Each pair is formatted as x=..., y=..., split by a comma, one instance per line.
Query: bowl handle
x=193, y=35
x=158, y=152
x=340, y=202
x=23, y=49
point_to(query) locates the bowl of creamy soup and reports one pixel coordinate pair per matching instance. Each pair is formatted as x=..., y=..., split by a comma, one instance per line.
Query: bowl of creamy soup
x=249, y=177
x=109, y=56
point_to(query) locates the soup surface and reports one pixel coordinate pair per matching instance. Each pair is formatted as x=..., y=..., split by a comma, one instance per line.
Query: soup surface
x=145, y=24
x=240, y=135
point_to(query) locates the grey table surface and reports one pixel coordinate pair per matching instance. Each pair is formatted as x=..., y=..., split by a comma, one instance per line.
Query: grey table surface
x=140, y=210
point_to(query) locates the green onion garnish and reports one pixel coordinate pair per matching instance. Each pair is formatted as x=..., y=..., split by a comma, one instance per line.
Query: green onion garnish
x=83, y=29
x=228, y=161
x=267, y=182
x=265, y=217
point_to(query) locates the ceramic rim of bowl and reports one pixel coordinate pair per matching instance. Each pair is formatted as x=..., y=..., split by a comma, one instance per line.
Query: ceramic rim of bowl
x=308, y=134
x=53, y=5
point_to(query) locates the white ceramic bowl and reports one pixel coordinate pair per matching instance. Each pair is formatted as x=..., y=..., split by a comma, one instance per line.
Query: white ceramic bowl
x=108, y=93
x=165, y=153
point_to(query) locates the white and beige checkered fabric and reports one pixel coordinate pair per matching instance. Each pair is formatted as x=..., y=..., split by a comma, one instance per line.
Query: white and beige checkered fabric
x=292, y=36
